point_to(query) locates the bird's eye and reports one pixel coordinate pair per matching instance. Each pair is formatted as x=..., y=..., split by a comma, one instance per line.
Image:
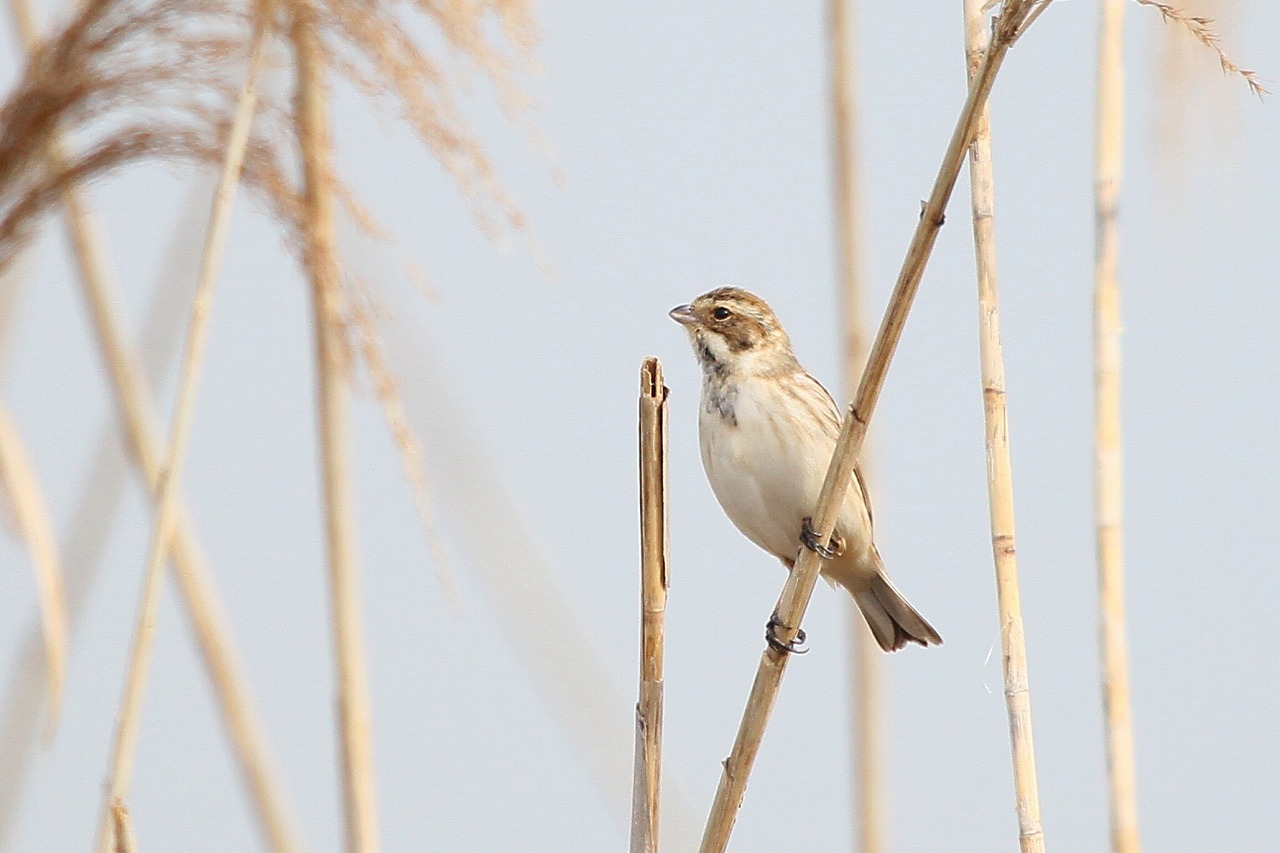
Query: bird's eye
x=721, y=313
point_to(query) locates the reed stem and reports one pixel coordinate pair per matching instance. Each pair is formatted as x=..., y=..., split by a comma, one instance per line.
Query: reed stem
x=999, y=470
x=332, y=364
x=647, y=788
x=167, y=503
x=18, y=480
x=865, y=660
x=1108, y=453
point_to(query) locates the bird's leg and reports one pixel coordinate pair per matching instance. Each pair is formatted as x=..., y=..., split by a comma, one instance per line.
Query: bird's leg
x=834, y=548
x=796, y=646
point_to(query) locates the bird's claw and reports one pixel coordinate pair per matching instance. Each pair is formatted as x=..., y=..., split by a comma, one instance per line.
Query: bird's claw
x=795, y=647
x=829, y=551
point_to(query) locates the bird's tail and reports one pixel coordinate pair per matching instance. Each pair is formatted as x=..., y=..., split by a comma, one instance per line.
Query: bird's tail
x=892, y=620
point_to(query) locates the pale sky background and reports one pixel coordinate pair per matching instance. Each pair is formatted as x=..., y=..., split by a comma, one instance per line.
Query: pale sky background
x=693, y=140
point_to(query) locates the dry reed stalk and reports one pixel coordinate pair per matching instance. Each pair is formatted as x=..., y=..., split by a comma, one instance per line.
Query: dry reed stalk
x=122, y=831
x=1108, y=453
x=865, y=659
x=332, y=365
x=167, y=502
x=1015, y=16
x=999, y=470
x=18, y=479
x=95, y=509
x=653, y=607
x=12, y=282
x=88, y=530
x=133, y=407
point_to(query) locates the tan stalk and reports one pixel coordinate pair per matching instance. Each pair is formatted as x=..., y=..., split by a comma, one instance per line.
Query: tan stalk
x=121, y=829
x=647, y=781
x=866, y=676
x=332, y=364
x=19, y=482
x=1108, y=453
x=12, y=282
x=1017, y=695
x=799, y=586
x=139, y=430
x=167, y=503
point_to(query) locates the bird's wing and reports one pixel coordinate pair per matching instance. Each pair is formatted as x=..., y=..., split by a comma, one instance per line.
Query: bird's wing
x=866, y=495
x=830, y=417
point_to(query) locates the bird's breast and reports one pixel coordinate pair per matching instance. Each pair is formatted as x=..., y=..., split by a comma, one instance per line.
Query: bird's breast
x=765, y=465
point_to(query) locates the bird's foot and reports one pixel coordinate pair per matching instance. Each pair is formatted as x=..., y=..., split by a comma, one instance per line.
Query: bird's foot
x=832, y=549
x=796, y=646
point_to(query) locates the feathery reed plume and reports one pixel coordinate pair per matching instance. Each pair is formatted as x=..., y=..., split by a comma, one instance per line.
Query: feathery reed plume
x=167, y=499
x=333, y=362
x=1201, y=29
x=173, y=63
x=22, y=488
x=1108, y=453
x=999, y=470
x=646, y=784
x=387, y=389
x=1014, y=18
x=865, y=658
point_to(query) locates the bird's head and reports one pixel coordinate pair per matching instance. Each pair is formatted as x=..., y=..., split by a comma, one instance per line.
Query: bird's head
x=732, y=330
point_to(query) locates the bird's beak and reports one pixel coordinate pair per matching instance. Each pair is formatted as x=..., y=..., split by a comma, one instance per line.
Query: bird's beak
x=683, y=314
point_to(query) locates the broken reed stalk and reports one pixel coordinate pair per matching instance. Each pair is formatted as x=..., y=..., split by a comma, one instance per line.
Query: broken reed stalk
x=18, y=480
x=1017, y=694
x=133, y=405
x=647, y=780
x=865, y=660
x=332, y=365
x=1108, y=453
x=796, y=592
x=167, y=503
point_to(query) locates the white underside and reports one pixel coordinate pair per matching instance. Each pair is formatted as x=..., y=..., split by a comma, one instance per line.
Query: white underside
x=767, y=477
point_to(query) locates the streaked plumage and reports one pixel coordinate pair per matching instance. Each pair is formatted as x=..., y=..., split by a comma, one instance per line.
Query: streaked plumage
x=767, y=430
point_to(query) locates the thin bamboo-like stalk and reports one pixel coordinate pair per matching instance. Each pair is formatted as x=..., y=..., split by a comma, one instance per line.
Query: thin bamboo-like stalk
x=122, y=830
x=1108, y=453
x=332, y=363
x=132, y=404
x=18, y=478
x=167, y=502
x=12, y=282
x=653, y=607
x=799, y=586
x=999, y=471
x=865, y=660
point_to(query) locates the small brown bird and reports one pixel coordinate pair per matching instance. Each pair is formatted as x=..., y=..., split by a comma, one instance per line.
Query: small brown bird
x=767, y=430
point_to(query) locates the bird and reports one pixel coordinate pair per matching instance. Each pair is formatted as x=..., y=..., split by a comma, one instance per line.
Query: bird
x=767, y=430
